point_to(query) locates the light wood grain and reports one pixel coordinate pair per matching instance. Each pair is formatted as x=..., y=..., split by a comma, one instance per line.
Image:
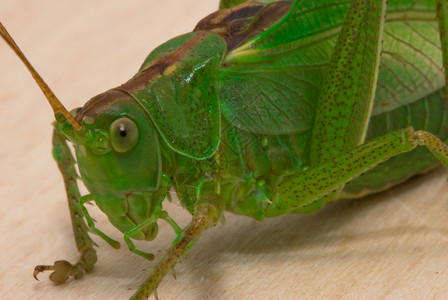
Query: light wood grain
x=392, y=245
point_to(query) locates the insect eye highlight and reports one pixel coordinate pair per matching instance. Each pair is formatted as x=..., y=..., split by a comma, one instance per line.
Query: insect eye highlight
x=123, y=134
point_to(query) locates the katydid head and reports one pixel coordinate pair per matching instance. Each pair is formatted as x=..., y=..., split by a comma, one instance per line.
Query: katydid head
x=118, y=149
x=118, y=155
x=119, y=160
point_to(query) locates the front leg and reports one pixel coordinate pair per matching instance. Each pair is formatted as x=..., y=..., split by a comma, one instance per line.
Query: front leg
x=207, y=215
x=64, y=269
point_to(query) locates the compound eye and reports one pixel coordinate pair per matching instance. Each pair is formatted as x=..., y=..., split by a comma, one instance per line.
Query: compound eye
x=123, y=134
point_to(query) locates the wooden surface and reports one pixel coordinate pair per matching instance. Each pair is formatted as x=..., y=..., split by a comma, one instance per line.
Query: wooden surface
x=392, y=245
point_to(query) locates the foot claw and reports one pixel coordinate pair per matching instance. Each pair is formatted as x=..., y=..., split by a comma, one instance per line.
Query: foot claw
x=62, y=270
x=37, y=270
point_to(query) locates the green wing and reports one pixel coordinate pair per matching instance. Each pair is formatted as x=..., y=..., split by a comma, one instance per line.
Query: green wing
x=411, y=64
x=271, y=83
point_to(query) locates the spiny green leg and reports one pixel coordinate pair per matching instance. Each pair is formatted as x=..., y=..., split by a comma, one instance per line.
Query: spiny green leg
x=63, y=269
x=347, y=95
x=91, y=224
x=303, y=189
x=206, y=216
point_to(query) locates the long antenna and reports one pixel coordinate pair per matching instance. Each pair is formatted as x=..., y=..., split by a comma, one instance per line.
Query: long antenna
x=57, y=106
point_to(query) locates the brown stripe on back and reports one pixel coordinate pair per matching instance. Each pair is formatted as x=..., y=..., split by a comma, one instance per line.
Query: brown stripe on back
x=241, y=23
x=99, y=104
x=158, y=67
x=223, y=16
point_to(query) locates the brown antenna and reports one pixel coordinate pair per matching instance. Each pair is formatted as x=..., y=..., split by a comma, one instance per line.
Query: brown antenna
x=57, y=106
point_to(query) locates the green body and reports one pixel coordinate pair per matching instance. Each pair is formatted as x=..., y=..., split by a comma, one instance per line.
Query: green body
x=266, y=108
x=236, y=115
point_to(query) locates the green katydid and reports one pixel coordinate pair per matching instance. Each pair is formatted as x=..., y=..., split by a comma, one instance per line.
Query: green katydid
x=250, y=150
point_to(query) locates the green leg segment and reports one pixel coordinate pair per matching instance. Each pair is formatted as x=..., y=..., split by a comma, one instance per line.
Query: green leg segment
x=309, y=186
x=347, y=94
x=115, y=244
x=207, y=215
x=63, y=269
x=346, y=99
x=164, y=216
x=131, y=246
x=127, y=235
